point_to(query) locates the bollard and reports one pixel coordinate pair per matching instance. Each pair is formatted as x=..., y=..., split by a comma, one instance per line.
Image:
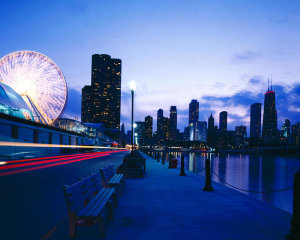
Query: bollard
x=182, y=173
x=155, y=155
x=295, y=223
x=208, y=186
x=158, y=157
x=163, y=158
x=170, y=160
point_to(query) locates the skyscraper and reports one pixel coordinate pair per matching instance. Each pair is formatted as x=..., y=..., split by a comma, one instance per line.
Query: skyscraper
x=122, y=136
x=269, y=129
x=173, y=123
x=211, y=122
x=286, y=129
x=296, y=133
x=193, y=111
x=101, y=101
x=211, y=136
x=185, y=135
x=148, y=129
x=160, y=123
x=241, y=135
x=255, y=120
x=202, y=134
x=139, y=133
x=223, y=121
x=198, y=131
x=166, y=129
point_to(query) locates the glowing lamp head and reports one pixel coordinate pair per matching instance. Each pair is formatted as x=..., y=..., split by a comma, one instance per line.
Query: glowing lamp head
x=134, y=125
x=132, y=86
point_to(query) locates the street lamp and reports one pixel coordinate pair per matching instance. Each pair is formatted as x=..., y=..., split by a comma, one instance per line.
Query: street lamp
x=132, y=87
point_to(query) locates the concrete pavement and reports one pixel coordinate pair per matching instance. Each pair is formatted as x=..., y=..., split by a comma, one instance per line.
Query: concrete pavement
x=164, y=205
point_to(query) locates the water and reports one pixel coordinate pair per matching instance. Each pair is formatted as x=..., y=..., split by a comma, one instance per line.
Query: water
x=252, y=172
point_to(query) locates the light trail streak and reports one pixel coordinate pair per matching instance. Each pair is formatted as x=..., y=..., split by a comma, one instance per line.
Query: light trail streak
x=20, y=144
x=47, y=166
x=58, y=156
x=64, y=159
x=48, y=161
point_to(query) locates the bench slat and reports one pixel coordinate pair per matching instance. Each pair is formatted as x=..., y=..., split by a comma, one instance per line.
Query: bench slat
x=82, y=183
x=79, y=194
x=99, y=208
x=115, y=179
x=81, y=202
x=100, y=203
x=110, y=177
x=85, y=192
x=100, y=195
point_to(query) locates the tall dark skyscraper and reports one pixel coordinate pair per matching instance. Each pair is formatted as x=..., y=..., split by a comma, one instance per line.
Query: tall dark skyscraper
x=148, y=128
x=160, y=120
x=211, y=130
x=241, y=131
x=193, y=111
x=241, y=135
x=286, y=129
x=211, y=122
x=122, y=136
x=101, y=101
x=255, y=120
x=269, y=129
x=166, y=128
x=139, y=133
x=223, y=121
x=173, y=123
x=160, y=126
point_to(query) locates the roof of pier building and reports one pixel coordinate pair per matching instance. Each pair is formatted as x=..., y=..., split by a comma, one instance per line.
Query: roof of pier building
x=11, y=103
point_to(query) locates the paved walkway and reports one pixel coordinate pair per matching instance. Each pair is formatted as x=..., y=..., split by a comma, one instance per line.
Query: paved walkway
x=164, y=205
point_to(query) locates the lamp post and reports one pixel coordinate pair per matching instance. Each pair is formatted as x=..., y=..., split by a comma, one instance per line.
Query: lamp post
x=132, y=88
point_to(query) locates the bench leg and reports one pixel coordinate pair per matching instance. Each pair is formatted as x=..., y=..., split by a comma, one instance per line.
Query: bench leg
x=102, y=226
x=115, y=199
x=110, y=209
x=72, y=227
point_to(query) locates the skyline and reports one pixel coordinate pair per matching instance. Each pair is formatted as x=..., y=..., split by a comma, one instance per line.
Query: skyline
x=174, y=51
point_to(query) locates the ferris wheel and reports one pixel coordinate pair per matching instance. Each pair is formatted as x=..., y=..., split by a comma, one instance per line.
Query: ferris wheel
x=38, y=80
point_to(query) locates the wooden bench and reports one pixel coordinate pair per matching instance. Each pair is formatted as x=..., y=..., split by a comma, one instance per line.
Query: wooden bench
x=110, y=179
x=88, y=203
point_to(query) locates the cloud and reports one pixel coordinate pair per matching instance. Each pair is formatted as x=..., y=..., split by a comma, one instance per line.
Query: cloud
x=254, y=81
x=246, y=56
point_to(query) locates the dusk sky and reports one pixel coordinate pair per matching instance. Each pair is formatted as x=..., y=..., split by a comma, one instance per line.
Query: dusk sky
x=218, y=52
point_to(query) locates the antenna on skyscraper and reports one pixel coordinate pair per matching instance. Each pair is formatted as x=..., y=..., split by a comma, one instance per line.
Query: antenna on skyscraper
x=271, y=82
x=268, y=85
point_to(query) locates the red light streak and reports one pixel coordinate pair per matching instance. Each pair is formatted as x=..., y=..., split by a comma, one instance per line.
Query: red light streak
x=66, y=159
x=49, y=165
x=44, y=162
x=58, y=156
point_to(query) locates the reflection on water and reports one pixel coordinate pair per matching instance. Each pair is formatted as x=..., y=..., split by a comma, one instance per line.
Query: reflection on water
x=251, y=172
